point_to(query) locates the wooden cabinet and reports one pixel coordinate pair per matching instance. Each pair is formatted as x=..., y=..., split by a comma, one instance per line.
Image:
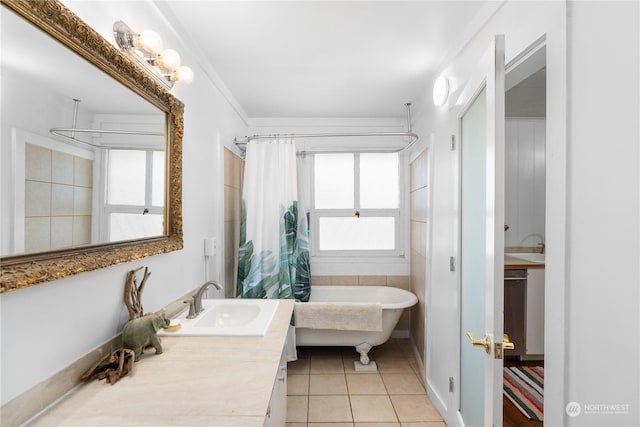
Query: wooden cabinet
x=524, y=311
x=515, y=285
x=277, y=412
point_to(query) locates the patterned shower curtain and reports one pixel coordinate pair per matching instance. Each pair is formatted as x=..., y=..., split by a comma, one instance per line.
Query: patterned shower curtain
x=273, y=258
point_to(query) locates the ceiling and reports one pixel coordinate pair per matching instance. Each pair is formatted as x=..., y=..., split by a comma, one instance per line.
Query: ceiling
x=321, y=58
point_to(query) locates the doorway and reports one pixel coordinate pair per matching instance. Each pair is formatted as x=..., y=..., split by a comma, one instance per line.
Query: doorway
x=525, y=211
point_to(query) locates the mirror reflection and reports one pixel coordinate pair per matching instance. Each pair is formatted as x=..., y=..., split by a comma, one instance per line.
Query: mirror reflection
x=99, y=177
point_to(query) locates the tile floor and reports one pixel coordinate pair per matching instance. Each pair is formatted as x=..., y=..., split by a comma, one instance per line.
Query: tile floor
x=324, y=390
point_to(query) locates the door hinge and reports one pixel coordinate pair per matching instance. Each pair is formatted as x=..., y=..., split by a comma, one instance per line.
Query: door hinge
x=450, y=384
x=452, y=263
x=453, y=142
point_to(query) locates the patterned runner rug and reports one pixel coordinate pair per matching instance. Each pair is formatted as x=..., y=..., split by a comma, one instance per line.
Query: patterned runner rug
x=524, y=386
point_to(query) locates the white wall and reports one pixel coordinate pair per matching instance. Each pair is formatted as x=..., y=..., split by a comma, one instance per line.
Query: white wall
x=46, y=327
x=524, y=181
x=593, y=211
x=603, y=221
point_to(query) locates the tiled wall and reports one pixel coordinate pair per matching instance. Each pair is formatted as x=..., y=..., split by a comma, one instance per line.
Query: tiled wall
x=58, y=198
x=418, y=221
x=233, y=172
x=401, y=282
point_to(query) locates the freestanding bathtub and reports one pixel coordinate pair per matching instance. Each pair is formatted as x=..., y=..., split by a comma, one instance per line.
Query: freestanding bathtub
x=393, y=300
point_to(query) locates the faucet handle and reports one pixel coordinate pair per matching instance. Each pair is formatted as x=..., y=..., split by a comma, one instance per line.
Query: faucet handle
x=192, y=308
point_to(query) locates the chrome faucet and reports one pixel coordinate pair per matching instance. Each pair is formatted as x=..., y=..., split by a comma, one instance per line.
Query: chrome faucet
x=195, y=303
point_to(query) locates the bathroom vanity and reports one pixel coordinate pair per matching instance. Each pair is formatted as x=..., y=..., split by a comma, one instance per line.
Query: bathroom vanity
x=216, y=380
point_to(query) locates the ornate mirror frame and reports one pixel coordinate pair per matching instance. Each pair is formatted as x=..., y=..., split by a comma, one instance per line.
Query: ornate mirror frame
x=57, y=21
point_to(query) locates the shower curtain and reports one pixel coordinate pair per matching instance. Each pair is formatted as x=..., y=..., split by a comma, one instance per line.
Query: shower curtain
x=273, y=258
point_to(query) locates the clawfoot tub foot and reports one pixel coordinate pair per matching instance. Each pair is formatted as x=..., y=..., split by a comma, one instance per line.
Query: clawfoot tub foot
x=363, y=349
x=364, y=364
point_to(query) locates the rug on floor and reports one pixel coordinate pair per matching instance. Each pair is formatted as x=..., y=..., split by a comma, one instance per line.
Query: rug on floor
x=524, y=386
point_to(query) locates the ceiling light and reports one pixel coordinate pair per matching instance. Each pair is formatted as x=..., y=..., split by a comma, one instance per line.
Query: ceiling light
x=440, y=91
x=146, y=48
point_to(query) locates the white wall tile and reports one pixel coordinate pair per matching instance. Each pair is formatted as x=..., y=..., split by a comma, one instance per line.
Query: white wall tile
x=83, y=172
x=37, y=163
x=61, y=231
x=61, y=168
x=37, y=198
x=37, y=234
x=81, y=230
x=82, y=201
x=61, y=200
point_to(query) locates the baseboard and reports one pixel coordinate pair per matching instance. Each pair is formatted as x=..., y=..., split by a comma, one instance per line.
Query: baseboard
x=437, y=401
x=401, y=334
x=419, y=362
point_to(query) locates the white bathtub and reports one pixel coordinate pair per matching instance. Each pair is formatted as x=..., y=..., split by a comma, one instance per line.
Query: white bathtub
x=393, y=300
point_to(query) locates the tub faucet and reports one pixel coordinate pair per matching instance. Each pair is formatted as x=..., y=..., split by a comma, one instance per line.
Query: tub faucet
x=195, y=304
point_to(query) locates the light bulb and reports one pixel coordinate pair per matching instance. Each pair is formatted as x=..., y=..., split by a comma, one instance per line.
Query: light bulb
x=184, y=74
x=169, y=59
x=440, y=91
x=150, y=41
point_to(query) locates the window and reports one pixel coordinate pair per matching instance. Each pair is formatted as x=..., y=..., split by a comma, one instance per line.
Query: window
x=134, y=194
x=356, y=204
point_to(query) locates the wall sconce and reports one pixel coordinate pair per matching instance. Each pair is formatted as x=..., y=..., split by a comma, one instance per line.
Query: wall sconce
x=440, y=91
x=146, y=48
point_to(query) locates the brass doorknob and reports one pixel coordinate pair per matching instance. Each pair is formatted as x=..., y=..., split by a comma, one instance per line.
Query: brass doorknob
x=484, y=342
x=506, y=343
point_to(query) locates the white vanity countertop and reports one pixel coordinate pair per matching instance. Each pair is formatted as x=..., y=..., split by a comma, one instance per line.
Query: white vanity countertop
x=196, y=381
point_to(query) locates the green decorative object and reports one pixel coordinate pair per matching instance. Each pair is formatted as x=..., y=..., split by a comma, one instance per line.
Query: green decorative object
x=140, y=333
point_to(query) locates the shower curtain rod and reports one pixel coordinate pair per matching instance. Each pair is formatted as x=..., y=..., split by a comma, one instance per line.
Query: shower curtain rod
x=60, y=132
x=414, y=137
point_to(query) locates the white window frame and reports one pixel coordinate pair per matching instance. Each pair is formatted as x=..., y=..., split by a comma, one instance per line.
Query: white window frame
x=359, y=255
x=108, y=208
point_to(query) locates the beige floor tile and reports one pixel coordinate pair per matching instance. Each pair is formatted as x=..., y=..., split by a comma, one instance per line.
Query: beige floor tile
x=329, y=409
x=330, y=425
x=394, y=365
x=326, y=384
x=300, y=366
x=425, y=424
x=403, y=384
x=326, y=365
x=377, y=425
x=362, y=383
x=372, y=408
x=415, y=408
x=297, y=409
x=297, y=385
x=295, y=424
x=389, y=349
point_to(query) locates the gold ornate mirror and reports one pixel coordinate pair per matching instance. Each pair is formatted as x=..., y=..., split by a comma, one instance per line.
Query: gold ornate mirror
x=90, y=231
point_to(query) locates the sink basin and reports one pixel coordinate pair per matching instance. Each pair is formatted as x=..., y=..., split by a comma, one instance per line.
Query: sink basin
x=228, y=317
x=533, y=257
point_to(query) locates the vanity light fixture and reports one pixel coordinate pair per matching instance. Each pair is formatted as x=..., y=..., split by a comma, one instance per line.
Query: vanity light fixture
x=440, y=91
x=147, y=49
